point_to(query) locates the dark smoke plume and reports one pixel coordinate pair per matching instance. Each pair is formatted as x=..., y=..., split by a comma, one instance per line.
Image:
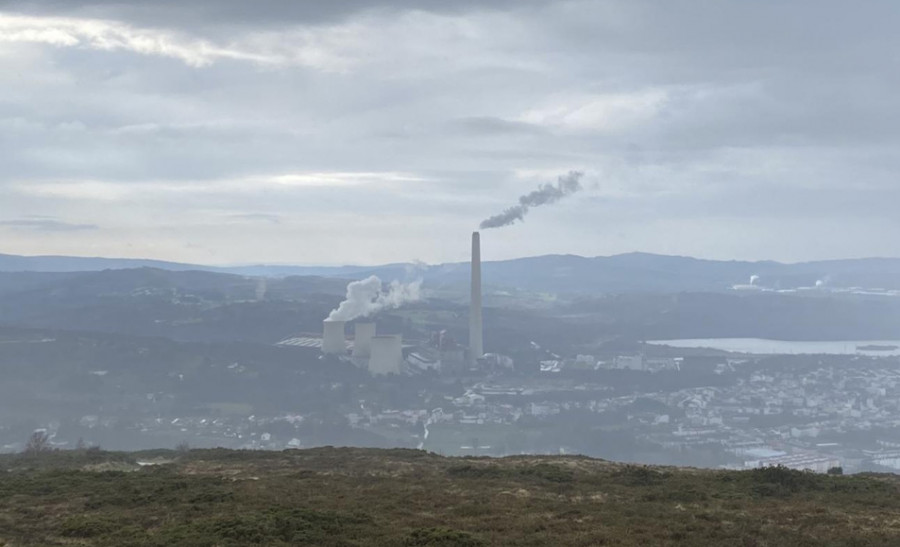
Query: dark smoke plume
x=545, y=194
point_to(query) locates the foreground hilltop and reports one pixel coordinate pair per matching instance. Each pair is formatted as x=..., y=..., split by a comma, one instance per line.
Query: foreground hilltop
x=346, y=497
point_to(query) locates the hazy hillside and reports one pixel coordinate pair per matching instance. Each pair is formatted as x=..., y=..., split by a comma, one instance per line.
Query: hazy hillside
x=210, y=306
x=738, y=315
x=360, y=497
x=189, y=305
x=551, y=273
x=15, y=263
x=637, y=272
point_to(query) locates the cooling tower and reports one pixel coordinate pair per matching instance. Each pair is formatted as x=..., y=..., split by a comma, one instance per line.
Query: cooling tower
x=333, y=340
x=386, y=354
x=362, y=341
x=476, y=345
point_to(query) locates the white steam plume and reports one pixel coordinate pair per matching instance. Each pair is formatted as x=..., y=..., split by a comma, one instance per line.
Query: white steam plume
x=366, y=297
x=545, y=194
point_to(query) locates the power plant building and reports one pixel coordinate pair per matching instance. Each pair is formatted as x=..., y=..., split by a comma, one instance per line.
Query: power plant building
x=333, y=340
x=380, y=354
x=383, y=354
x=362, y=340
x=386, y=354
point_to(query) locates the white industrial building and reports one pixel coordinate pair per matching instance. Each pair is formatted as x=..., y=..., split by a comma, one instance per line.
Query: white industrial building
x=386, y=354
x=362, y=339
x=333, y=340
x=380, y=354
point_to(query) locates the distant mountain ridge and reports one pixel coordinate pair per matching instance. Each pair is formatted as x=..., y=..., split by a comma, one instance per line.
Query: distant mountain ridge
x=60, y=264
x=51, y=263
x=547, y=273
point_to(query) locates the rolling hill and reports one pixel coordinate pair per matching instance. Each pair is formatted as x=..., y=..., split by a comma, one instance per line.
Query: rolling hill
x=633, y=272
x=362, y=497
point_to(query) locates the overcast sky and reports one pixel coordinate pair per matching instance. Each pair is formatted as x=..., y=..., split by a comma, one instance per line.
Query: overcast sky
x=367, y=132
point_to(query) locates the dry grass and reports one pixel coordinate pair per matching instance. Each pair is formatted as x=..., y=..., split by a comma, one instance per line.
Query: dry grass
x=343, y=497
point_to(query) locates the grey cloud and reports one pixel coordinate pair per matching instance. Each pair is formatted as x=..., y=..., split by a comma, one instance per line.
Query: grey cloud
x=793, y=103
x=240, y=13
x=752, y=204
x=47, y=225
x=492, y=126
x=256, y=217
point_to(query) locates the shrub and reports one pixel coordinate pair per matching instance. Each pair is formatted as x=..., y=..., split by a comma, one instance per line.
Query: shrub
x=476, y=471
x=638, y=475
x=38, y=442
x=545, y=471
x=82, y=526
x=441, y=537
x=782, y=481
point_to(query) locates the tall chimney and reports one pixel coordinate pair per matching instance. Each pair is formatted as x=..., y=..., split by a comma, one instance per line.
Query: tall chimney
x=476, y=345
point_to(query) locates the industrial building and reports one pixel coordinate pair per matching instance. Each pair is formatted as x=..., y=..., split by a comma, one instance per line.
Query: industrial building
x=333, y=340
x=384, y=354
x=380, y=354
x=362, y=339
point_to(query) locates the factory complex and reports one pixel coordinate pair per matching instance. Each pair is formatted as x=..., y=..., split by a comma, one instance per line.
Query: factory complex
x=383, y=354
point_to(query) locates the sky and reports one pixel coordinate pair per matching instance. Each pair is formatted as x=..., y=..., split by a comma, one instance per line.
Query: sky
x=366, y=132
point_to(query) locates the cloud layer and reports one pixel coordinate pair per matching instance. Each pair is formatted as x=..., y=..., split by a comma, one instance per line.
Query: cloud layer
x=339, y=132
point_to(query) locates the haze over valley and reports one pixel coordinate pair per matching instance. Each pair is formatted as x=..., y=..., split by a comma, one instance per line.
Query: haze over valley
x=144, y=357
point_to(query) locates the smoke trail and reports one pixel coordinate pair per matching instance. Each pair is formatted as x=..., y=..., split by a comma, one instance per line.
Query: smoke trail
x=545, y=194
x=366, y=297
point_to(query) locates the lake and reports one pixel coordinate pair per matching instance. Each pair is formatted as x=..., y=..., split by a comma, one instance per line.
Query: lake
x=759, y=346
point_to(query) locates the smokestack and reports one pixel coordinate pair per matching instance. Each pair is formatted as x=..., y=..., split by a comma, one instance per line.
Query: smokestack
x=333, y=341
x=476, y=345
x=362, y=340
x=387, y=354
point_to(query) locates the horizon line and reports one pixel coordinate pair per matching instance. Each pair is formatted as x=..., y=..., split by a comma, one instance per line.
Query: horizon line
x=414, y=262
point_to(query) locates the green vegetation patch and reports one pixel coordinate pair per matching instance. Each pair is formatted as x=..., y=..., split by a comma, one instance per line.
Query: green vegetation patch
x=441, y=537
x=278, y=526
x=85, y=526
x=359, y=497
x=540, y=471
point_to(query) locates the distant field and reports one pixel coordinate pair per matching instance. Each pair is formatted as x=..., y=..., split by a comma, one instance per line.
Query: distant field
x=347, y=497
